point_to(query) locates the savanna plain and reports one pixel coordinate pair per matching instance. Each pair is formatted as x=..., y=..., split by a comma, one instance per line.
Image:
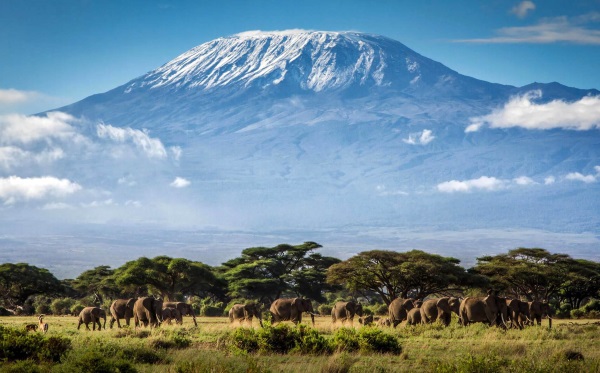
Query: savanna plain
x=215, y=345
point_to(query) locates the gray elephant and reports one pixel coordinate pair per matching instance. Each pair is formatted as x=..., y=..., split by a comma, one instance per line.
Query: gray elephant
x=413, y=317
x=513, y=309
x=291, y=309
x=383, y=322
x=398, y=309
x=147, y=311
x=490, y=310
x=439, y=309
x=92, y=315
x=183, y=308
x=345, y=311
x=169, y=314
x=121, y=309
x=244, y=312
x=524, y=316
x=366, y=320
x=537, y=310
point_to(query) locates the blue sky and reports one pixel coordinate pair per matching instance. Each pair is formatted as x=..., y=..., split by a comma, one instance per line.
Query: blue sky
x=57, y=52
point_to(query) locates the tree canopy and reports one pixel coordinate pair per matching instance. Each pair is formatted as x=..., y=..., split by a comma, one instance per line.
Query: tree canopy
x=268, y=273
x=20, y=281
x=170, y=278
x=531, y=273
x=392, y=274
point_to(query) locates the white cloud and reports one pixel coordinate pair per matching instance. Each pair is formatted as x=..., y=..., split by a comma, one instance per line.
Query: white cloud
x=12, y=156
x=482, y=183
x=152, y=147
x=524, y=180
x=176, y=151
x=180, y=182
x=57, y=206
x=16, y=128
x=580, y=177
x=13, y=96
x=521, y=9
x=521, y=111
x=549, y=30
x=106, y=202
x=549, y=180
x=133, y=203
x=14, y=188
x=383, y=191
x=420, y=138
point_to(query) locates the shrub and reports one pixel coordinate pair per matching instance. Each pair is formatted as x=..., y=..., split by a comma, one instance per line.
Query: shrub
x=577, y=314
x=208, y=310
x=473, y=363
x=20, y=345
x=345, y=339
x=311, y=342
x=93, y=361
x=62, y=306
x=375, y=340
x=325, y=309
x=245, y=339
x=366, y=340
x=339, y=363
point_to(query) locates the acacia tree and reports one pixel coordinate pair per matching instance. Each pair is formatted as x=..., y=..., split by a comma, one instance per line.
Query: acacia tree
x=531, y=273
x=268, y=273
x=171, y=278
x=20, y=281
x=582, y=282
x=391, y=274
x=98, y=281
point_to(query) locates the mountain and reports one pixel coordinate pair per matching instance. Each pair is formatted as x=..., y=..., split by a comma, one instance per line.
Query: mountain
x=343, y=135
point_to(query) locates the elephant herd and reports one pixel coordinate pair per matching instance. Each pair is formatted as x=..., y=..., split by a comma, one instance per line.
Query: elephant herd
x=144, y=311
x=492, y=310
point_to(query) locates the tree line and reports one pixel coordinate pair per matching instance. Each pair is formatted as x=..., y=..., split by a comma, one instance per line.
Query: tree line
x=263, y=274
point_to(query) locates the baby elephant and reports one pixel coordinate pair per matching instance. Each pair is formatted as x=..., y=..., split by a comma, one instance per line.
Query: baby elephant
x=92, y=315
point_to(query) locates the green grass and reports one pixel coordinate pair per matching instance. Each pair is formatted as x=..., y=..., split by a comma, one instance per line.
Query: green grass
x=428, y=348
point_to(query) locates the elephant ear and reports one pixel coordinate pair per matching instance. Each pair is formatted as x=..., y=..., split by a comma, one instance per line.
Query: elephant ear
x=443, y=304
x=297, y=302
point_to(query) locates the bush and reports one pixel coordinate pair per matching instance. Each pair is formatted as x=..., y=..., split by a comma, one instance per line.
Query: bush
x=280, y=339
x=325, y=309
x=21, y=345
x=208, y=310
x=366, y=340
x=93, y=361
x=62, y=306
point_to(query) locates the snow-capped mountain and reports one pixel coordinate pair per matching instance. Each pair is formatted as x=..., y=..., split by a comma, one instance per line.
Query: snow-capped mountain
x=335, y=132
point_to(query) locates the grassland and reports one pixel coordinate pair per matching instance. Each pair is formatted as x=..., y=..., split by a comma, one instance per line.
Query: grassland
x=570, y=346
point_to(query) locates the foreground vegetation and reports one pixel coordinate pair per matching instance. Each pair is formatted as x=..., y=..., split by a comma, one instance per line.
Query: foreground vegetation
x=217, y=346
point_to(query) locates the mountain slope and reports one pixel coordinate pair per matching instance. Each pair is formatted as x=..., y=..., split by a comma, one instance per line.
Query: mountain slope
x=336, y=131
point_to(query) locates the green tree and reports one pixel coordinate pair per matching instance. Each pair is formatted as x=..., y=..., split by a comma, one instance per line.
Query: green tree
x=20, y=281
x=582, y=282
x=392, y=274
x=171, y=278
x=268, y=273
x=531, y=273
x=98, y=282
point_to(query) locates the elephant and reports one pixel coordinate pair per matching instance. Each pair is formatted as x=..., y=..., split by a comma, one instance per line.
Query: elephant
x=413, y=317
x=169, y=314
x=184, y=309
x=245, y=312
x=524, y=316
x=383, y=322
x=121, y=309
x=345, y=311
x=147, y=311
x=398, y=310
x=291, y=309
x=490, y=310
x=92, y=315
x=537, y=310
x=513, y=309
x=439, y=309
x=366, y=320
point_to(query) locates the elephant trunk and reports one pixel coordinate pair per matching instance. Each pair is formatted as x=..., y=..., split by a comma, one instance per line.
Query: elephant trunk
x=549, y=322
x=312, y=317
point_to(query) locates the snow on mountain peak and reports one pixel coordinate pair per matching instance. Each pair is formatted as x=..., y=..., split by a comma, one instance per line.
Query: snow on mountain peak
x=299, y=59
